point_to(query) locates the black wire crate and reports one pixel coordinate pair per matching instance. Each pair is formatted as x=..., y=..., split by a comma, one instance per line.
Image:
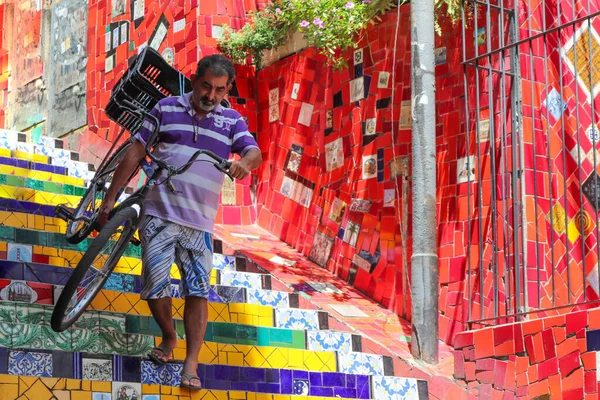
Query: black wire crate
x=148, y=79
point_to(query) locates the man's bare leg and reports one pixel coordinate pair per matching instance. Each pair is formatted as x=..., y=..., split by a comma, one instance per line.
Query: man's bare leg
x=162, y=312
x=195, y=317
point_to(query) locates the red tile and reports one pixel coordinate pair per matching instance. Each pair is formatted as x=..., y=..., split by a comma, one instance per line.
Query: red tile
x=484, y=343
x=591, y=384
x=568, y=363
x=576, y=321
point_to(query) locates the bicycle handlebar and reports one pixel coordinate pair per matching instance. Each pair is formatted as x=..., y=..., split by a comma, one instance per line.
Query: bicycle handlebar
x=221, y=164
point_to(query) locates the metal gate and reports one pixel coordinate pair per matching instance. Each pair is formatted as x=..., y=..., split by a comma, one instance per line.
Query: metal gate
x=531, y=74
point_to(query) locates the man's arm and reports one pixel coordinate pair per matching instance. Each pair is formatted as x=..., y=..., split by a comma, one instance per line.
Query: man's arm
x=132, y=159
x=250, y=161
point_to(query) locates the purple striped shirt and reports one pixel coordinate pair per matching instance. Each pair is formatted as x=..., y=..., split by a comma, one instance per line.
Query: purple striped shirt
x=222, y=131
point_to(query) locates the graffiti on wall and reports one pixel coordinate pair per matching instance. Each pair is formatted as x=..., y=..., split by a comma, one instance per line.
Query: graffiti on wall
x=27, y=64
x=68, y=66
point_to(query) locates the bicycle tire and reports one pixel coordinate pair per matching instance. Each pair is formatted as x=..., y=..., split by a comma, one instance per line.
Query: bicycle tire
x=77, y=231
x=130, y=216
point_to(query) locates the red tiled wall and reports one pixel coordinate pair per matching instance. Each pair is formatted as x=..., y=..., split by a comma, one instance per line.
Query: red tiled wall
x=296, y=202
x=189, y=44
x=555, y=355
x=4, y=53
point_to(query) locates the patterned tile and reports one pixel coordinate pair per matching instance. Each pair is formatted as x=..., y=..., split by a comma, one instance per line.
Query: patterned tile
x=168, y=374
x=268, y=298
x=223, y=262
x=126, y=390
x=30, y=363
x=300, y=387
x=360, y=363
x=292, y=318
x=241, y=279
x=96, y=369
x=329, y=341
x=393, y=388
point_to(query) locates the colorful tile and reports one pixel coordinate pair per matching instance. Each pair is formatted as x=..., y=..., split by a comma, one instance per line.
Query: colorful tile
x=291, y=318
x=30, y=363
x=329, y=341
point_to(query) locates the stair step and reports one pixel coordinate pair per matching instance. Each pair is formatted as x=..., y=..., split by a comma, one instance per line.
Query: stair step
x=220, y=332
x=42, y=388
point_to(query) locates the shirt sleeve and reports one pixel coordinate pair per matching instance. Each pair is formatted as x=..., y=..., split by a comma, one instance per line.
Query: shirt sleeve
x=145, y=132
x=242, y=140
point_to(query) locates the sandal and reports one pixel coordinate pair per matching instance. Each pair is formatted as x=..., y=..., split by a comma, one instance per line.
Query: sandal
x=189, y=378
x=163, y=350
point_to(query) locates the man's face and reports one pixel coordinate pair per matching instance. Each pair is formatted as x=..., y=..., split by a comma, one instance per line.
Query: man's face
x=209, y=90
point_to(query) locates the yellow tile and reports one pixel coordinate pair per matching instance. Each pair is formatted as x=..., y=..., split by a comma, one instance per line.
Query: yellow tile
x=150, y=389
x=73, y=384
x=86, y=385
x=25, y=382
x=179, y=353
x=169, y=397
x=296, y=358
x=50, y=382
x=312, y=362
x=60, y=384
x=62, y=394
x=237, y=308
x=265, y=311
x=251, y=396
x=237, y=395
x=9, y=379
x=4, y=153
x=328, y=359
x=98, y=386
x=165, y=390
x=208, y=353
x=235, y=359
x=81, y=395
x=245, y=319
x=9, y=391
x=281, y=397
x=38, y=391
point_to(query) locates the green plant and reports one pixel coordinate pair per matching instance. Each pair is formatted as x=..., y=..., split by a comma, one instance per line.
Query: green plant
x=330, y=26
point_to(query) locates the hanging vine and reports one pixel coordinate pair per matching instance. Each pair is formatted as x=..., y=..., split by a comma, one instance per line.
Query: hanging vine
x=330, y=26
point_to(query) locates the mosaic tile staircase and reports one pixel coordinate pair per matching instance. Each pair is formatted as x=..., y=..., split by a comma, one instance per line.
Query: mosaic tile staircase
x=263, y=341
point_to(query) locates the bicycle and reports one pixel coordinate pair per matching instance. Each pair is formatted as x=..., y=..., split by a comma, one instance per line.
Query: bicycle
x=123, y=222
x=148, y=79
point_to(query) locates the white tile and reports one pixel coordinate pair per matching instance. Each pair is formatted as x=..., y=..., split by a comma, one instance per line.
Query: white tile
x=295, y=90
x=357, y=89
x=306, y=111
x=347, y=311
x=369, y=167
x=96, y=369
x=126, y=390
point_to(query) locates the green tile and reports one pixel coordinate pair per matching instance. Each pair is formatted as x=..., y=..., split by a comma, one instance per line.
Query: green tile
x=264, y=336
x=280, y=335
x=68, y=189
x=28, y=236
x=208, y=335
x=8, y=312
x=6, y=334
x=17, y=181
x=7, y=233
x=247, y=334
x=132, y=323
x=139, y=345
x=224, y=330
x=3, y=180
x=87, y=340
x=180, y=329
x=78, y=191
x=226, y=340
x=298, y=340
x=52, y=187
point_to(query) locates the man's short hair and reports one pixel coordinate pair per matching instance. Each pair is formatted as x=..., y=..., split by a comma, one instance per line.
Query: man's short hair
x=218, y=65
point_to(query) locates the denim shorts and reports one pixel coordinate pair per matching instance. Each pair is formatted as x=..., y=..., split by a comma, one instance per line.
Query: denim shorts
x=165, y=243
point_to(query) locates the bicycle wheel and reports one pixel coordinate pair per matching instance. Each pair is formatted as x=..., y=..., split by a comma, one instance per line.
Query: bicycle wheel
x=95, y=267
x=84, y=215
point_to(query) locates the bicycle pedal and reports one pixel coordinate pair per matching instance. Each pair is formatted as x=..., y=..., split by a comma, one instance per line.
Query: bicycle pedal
x=135, y=241
x=63, y=213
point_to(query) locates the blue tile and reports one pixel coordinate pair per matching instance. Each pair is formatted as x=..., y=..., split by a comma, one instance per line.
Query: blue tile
x=132, y=370
x=254, y=374
x=30, y=363
x=351, y=381
x=268, y=388
x=321, y=391
x=217, y=385
x=334, y=379
x=363, y=388
x=316, y=378
x=170, y=374
x=3, y=360
x=243, y=386
x=300, y=374
x=300, y=387
x=286, y=381
x=593, y=340
x=344, y=393
x=12, y=270
x=273, y=375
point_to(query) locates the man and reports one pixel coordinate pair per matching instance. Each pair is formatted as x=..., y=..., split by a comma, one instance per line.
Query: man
x=178, y=227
